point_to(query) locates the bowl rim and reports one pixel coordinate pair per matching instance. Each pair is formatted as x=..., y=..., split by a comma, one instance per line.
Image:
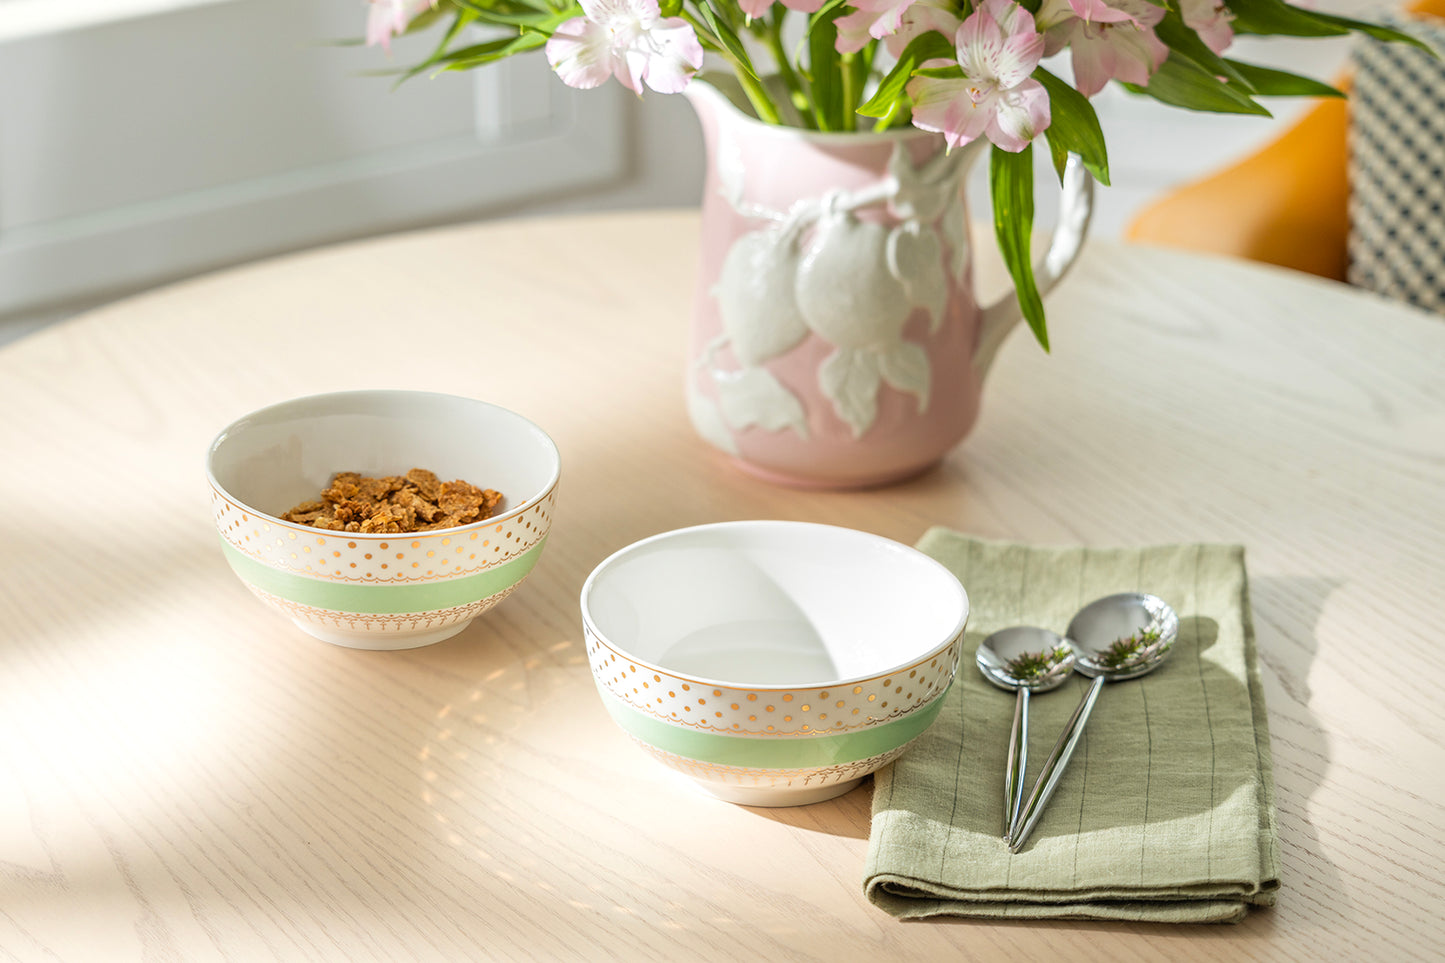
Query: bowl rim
x=539, y=496
x=953, y=635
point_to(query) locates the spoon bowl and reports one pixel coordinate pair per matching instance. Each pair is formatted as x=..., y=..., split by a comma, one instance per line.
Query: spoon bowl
x=1115, y=638
x=1026, y=660
x=1026, y=657
x=1123, y=636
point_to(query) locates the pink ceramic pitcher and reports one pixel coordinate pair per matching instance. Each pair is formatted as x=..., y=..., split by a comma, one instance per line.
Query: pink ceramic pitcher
x=836, y=338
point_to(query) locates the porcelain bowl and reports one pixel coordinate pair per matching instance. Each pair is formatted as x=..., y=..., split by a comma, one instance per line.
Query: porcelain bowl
x=379, y=591
x=776, y=663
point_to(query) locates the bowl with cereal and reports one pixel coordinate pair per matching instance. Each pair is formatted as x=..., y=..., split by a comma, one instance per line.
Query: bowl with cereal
x=776, y=663
x=383, y=519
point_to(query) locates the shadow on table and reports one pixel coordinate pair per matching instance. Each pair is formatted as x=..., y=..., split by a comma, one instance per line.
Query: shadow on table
x=848, y=815
x=1287, y=610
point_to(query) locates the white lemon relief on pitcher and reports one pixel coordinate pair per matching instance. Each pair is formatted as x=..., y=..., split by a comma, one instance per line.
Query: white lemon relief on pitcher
x=819, y=268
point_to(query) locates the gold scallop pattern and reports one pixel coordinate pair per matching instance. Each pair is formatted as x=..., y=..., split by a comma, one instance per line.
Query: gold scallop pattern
x=367, y=622
x=815, y=778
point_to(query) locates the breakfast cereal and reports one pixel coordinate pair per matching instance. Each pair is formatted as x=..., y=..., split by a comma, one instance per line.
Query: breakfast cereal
x=415, y=502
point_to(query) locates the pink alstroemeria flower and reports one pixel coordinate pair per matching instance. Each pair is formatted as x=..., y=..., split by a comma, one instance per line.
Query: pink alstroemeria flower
x=870, y=20
x=1210, y=19
x=628, y=39
x=390, y=18
x=1115, y=43
x=1116, y=11
x=756, y=8
x=998, y=48
x=921, y=17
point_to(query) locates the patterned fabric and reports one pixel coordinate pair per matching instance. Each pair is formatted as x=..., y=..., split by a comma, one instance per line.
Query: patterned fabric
x=1397, y=169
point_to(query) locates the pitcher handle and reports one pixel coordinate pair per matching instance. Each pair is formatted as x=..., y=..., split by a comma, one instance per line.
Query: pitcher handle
x=1075, y=209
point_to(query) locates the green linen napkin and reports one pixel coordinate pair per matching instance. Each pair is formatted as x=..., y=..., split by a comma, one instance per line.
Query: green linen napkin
x=1166, y=811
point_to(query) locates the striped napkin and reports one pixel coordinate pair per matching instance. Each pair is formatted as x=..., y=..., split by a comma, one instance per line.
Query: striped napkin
x=1166, y=812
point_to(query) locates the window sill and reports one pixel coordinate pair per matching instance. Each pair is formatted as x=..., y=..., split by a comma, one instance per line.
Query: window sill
x=22, y=19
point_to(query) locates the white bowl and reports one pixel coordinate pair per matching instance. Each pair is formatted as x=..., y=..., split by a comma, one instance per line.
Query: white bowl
x=777, y=663
x=378, y=591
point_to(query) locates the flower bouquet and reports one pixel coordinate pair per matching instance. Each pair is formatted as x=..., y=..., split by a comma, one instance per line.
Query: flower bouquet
x=966, y=69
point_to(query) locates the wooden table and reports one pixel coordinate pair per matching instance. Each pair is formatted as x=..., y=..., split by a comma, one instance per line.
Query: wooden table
x=184, y=775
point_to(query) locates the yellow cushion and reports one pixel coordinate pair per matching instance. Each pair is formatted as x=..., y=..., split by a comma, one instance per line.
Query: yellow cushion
x=1285, y=204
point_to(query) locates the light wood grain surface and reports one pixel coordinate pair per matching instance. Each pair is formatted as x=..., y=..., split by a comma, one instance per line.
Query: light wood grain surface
x=184, y=775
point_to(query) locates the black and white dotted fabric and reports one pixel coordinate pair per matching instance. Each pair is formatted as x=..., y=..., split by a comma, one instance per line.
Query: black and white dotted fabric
x=1397, y=169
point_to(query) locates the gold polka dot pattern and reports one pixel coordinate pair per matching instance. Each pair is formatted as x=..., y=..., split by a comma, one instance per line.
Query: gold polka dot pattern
x=789, y=711
x=405, y=559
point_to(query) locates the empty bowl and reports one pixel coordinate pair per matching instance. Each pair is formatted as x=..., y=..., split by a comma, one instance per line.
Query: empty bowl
x=776, y=663
x=376, y=590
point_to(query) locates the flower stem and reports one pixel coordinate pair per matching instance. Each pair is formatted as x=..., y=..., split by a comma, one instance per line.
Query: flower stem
x=763, y=105
x=766, y=110
x=852, y=89
x=784, y=64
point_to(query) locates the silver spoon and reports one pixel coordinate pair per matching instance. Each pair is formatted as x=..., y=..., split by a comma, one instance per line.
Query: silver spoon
x=1117, y=637
x=1027, y=660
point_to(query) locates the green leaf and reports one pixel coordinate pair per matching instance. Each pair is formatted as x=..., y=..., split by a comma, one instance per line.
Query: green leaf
x=1011, y=185
x=463, y=18
x=1073, y=128
x=1376, y=30
x=505, y=11
x=426, y=18
x=728, y=38
x=823, y=14
x=517, y=16
x=1180, y=82
x=515, y=45
x=823, y=76
x=1184, y=41
x=1269, y=82
x=1278, y=17
x=925, y=46
x=1281, y=18
x=670, y=8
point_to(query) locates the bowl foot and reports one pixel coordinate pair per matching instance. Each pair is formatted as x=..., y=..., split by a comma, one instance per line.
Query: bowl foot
x=774, y=797
x=380, y=641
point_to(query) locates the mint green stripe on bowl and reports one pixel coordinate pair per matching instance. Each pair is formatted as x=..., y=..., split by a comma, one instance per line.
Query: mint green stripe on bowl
x=381, y=598
x=771, y=752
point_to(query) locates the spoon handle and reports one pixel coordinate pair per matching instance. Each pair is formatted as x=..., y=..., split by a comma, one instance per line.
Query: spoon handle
x=1018, y=760
x=1053, y=768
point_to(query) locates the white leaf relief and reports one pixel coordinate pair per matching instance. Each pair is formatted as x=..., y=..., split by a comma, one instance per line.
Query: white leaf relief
x=707, y=420
x=753, y=396
x=915, y=256
x=905, y=367
x=849, y=378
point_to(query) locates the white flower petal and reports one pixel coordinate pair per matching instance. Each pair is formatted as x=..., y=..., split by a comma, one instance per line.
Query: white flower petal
x=580, y=52
x=1021, y=115
x=1016, y=59
x=673, y=55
